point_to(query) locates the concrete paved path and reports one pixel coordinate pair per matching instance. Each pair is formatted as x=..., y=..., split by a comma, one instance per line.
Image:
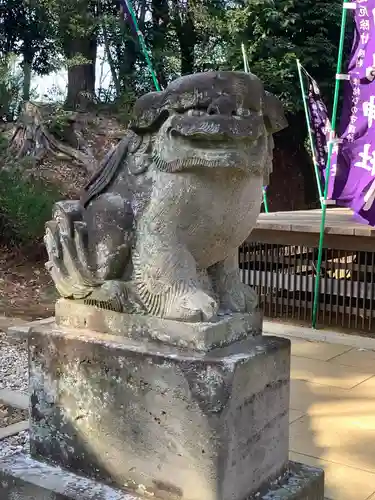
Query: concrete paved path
x=332, y=415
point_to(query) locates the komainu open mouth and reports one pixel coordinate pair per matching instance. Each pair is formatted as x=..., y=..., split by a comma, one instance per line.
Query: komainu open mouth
x=204, y=141
x=178, y=152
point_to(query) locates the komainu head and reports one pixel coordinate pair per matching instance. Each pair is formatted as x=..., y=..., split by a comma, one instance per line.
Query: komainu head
x=213, y=119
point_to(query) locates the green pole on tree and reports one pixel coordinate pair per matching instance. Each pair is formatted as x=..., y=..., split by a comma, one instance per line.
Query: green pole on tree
x=329, y=158
x=247, y=70
x=245, y=60
x=142, y=43
x=315, y=163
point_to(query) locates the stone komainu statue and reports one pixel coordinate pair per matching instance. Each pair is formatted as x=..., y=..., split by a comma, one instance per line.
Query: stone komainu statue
x=157, y=228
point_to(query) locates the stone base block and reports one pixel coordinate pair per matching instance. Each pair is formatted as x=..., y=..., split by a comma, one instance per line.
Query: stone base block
x=176, y=423
x=222, y=331
x=24, y=478
x=20, y=332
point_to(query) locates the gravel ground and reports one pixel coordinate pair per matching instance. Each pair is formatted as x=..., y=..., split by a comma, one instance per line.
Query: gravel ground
x=15, y=444
x=10, y=415
x=14, y=376
x=13, y=365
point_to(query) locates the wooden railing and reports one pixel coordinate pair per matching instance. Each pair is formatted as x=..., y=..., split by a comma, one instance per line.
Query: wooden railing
x=279, y=262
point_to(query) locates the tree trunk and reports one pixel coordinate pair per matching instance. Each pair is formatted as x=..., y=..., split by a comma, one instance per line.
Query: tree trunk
x=184, y=25
x=81, y=77
x=81, y=87
x=26, y=66
x=292, y=183
x=32, y=139
x=187, y=45
x=160, y=24
x=127, y=56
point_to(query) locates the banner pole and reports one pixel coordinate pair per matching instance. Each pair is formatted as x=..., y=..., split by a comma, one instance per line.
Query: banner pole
x=142, y=43
x=245, y=61
x=247, y=70
x=307, y=116
x=328, y=167
x=265, y=201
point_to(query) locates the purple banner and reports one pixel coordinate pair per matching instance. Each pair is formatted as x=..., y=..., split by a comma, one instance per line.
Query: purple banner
x=320, y=128
x=354, y=182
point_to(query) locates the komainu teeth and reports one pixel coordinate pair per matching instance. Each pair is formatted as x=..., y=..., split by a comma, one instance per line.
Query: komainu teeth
x=179, y=164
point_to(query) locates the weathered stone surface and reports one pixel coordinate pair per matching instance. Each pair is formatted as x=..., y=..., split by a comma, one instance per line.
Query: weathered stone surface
x=186, y=424
x=16, y=399
x=198, y=336
x=157, y=228
x=23, y=478
x=11, y=430
x=21, y=331
x=302, y=482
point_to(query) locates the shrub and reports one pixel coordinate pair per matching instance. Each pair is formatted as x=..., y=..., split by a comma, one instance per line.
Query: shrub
x=10, y=88
x=25, y=206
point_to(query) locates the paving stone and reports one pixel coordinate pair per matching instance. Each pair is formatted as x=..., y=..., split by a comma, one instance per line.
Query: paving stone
x=324, y=373
x=317, y=350
x=365, y=360
x=338, y=436
x=341, y=482
x=13, y=429
x=14, y=398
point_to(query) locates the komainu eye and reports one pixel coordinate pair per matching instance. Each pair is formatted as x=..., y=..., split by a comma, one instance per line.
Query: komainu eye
x=195, y=112
x=243, y=112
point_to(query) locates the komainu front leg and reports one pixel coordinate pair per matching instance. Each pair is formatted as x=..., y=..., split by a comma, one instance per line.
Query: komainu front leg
x=234, y=296
x=168, y=283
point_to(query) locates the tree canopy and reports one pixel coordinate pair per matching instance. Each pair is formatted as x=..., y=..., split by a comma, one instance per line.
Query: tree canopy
x=183, y=36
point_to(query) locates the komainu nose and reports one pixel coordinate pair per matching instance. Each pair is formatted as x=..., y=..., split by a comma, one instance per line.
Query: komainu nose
x=223, y=105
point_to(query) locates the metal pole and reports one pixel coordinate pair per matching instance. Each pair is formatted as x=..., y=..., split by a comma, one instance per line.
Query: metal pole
x=316, y=168
x=142, y=43
x=328, y=167
x=265, y=202
x=245, y=60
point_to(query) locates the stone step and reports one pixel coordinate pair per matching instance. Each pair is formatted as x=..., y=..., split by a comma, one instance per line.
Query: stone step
x=16, y=399
x=20, y=332
x=13, y=429
x=6, y=323
x=24, y=478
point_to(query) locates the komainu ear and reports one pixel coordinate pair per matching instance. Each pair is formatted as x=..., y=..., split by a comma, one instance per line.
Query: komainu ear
x=148, y=114
x=273, y=112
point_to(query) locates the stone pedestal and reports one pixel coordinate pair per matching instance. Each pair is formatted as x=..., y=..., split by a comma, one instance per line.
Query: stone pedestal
x=158, y=420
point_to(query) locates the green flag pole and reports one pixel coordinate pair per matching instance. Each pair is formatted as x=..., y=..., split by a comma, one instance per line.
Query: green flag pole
x=245, y=60
x=142, y=43
x=329, y=158
x=265, y=201
x=247, y=70
x=307, y=116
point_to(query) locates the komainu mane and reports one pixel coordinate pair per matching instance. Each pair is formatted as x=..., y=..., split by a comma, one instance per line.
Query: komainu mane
x=157, y=228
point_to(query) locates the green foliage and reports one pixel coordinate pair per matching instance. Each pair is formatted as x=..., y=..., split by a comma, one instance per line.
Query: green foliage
x=191, y=36
x=276, y=33
x=26, y=205
x=27, y=29
x=184, y=36
x=59, y=122
x=124, y=106
x=10, y=88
